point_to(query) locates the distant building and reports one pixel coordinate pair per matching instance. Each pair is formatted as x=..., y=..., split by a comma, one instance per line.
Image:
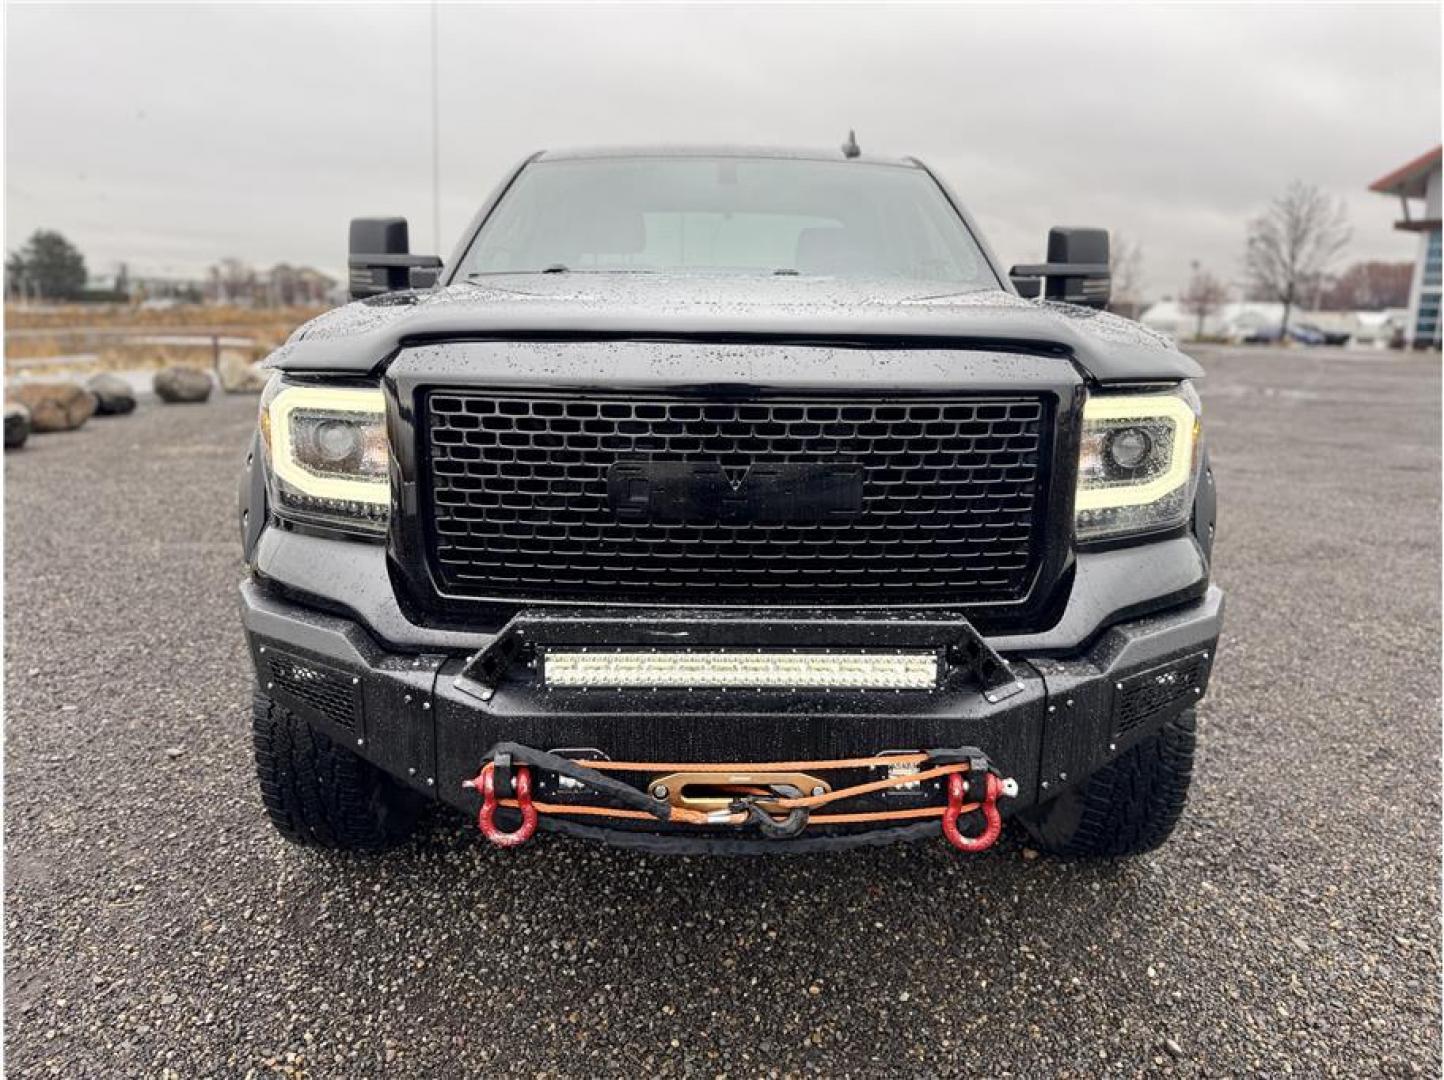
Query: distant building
x=1419, y=179
x=288, y=286
x=236, y=283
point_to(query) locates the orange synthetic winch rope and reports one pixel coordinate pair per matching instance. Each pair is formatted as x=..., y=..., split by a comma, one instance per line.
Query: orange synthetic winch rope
x=756, y=766
x=956, y=789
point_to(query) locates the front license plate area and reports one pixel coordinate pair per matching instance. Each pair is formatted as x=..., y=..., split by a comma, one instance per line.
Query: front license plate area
x=686, y=492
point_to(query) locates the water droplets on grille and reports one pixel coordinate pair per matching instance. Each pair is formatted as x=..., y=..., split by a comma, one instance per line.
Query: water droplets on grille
x=952, y=499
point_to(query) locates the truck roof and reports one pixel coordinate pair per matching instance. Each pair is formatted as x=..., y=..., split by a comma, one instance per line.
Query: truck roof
x=663, y=151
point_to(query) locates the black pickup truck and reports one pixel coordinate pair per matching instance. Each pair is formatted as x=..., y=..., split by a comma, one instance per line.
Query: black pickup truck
x=728, y=500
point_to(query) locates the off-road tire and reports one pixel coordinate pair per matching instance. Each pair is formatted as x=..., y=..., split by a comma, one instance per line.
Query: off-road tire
x=321, y=795
x=1129, y=806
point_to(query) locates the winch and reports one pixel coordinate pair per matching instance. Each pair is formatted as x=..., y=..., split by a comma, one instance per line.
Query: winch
x=779, y=799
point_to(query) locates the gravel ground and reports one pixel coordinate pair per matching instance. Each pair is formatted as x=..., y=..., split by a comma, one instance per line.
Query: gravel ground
x=155, y=926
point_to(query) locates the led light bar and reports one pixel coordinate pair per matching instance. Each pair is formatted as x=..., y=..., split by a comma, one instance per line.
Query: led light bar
x=744, y=670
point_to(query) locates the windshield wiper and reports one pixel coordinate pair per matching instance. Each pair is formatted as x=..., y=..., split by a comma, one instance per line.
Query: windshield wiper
x=561, y=268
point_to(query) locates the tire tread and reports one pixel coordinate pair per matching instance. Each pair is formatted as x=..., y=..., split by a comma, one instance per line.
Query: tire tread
x=1128, y=807
x=318, y=794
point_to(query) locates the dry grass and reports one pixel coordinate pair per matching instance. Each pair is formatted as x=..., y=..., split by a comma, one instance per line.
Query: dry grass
x=101, y=331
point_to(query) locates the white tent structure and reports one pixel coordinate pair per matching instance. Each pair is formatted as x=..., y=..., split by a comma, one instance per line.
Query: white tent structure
x=1236, y=320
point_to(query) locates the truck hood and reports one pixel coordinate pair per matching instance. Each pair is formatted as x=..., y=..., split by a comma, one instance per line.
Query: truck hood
x=363, y=336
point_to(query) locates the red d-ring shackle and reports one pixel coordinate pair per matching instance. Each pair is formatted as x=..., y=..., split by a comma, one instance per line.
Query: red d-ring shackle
x=993, y=821
x=486, y=819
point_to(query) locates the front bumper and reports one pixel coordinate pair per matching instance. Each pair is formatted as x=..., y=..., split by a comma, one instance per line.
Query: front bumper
x=420, y=717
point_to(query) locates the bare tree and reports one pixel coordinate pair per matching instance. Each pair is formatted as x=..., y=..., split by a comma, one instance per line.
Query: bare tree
x=1125, y=268
x=1205, y=295
x=1293, y=243
x=232, y=282
x=1369, y=286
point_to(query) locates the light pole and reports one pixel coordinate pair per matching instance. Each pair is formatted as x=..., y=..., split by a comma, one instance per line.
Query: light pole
x=435, y=138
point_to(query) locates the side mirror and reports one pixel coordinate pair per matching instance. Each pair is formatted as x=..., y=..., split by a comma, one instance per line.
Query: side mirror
x=379, y=259
x=1076, y=271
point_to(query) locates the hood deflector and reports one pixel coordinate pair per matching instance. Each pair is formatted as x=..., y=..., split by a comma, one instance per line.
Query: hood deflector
x=362, y=337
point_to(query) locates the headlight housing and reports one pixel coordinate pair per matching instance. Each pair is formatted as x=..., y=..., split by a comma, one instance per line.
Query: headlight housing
x=327, y=454
x=1138, y=464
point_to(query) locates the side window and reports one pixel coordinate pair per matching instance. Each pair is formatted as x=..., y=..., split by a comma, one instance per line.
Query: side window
x=508, y=234
x=923, y=244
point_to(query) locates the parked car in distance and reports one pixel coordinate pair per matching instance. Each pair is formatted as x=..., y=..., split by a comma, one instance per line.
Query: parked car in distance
x=1319, y=336
x=1298, y=333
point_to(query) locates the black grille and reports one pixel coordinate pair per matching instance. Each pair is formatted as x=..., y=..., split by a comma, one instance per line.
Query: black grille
x=949, y=508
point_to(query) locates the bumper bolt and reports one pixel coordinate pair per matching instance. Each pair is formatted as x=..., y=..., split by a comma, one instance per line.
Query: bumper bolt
x=819, y=790
x=660, y=791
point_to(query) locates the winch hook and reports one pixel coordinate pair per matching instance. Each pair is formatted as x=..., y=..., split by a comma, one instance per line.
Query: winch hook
x=769, y=826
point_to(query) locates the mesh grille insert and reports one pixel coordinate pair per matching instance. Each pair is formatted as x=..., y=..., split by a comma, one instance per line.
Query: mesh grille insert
x=331, y=693
x=1146, y=694
x=950, y=503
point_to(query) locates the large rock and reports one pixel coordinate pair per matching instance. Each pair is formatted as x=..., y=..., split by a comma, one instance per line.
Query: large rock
x=60, y=405
x=182, y=384
x=239, y=375
x=113, y=395
x=17, y=425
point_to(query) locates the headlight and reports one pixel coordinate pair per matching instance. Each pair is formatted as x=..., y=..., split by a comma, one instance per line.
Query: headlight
x=327, y=451
x=1138, y=464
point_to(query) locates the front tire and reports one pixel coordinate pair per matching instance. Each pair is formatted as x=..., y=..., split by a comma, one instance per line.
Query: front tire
x=318, y=794
x=1129, y=806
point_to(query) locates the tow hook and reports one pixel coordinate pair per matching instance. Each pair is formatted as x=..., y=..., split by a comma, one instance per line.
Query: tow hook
x=993, y=788
x=486, y=819
x=770, y=827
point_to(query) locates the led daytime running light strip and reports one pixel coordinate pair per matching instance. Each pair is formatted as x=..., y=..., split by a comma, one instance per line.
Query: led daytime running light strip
x=1140, y=408
x=361, y=402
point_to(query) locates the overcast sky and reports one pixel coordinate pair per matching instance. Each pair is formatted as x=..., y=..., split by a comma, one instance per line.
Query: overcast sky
x=170, y=136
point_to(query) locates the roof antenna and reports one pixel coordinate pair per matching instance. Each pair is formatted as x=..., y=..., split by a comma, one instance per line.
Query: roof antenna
x=850, y=149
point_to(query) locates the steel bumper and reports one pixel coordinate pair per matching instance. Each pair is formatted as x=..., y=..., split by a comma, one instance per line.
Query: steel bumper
x=423, y=718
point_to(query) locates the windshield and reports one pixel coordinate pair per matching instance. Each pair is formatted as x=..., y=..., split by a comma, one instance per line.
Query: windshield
x=728, y=214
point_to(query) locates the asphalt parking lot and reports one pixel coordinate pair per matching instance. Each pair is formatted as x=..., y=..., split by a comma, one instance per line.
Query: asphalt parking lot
x=154, y=925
